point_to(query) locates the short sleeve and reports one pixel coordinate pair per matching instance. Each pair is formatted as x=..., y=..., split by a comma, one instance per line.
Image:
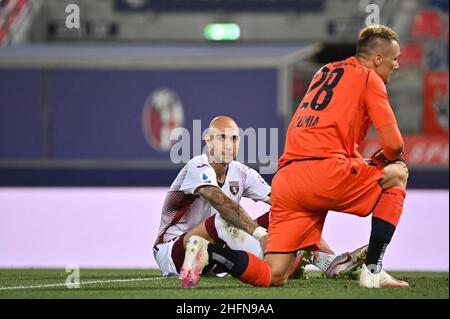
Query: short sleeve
x=198, y=175
x=376, y=101
x=256, y=187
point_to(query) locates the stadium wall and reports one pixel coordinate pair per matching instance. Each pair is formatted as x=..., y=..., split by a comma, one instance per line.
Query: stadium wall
x=116, y=228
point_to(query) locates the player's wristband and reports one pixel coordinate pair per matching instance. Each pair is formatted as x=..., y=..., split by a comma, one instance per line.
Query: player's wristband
x=259, y=232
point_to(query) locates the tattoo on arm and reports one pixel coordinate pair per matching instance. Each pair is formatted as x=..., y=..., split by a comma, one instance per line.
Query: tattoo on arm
x=230, y=210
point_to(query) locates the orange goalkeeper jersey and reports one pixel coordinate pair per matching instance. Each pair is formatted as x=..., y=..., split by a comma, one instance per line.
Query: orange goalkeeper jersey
x=343, y=100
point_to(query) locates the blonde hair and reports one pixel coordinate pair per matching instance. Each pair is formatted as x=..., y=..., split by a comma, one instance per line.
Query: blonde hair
x=370, y=37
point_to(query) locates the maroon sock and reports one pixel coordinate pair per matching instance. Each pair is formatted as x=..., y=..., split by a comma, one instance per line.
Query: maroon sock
x=263, y=220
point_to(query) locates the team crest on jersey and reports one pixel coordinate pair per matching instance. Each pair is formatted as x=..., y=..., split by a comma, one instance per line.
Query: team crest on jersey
x=234, y=187
x=163, y=112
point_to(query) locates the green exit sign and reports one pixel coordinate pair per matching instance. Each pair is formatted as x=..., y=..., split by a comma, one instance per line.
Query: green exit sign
x=222, y=32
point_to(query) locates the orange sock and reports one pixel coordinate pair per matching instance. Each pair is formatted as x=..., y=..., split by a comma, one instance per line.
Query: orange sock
x=257, y=272
x=390, y=205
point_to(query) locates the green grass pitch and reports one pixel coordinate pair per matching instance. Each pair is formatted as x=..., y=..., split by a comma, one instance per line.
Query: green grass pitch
x=128, y=283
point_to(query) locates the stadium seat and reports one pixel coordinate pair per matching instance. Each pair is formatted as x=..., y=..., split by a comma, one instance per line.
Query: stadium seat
x=427, y=23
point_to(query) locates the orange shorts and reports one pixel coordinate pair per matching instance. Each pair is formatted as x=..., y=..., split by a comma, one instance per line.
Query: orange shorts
x=303, y=192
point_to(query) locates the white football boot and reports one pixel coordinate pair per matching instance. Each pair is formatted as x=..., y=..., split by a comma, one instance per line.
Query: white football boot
x=382, y=279
x=345, y=264
x=195, y=259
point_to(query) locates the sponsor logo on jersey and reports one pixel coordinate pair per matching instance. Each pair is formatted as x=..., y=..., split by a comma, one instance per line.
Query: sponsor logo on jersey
x=205, y=178
x=370, y=162
x=234, y=187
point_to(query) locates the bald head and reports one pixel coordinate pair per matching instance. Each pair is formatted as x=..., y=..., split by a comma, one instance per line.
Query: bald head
x=222, y=122
x=222, y=139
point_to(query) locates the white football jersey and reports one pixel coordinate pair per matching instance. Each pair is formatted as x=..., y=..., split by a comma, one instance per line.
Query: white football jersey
x=183, y=209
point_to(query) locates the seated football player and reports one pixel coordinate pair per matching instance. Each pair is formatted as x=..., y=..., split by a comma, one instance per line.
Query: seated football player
x=204, y=200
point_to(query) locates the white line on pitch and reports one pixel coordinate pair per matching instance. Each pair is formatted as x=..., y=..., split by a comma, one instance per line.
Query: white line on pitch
x=82, y=283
